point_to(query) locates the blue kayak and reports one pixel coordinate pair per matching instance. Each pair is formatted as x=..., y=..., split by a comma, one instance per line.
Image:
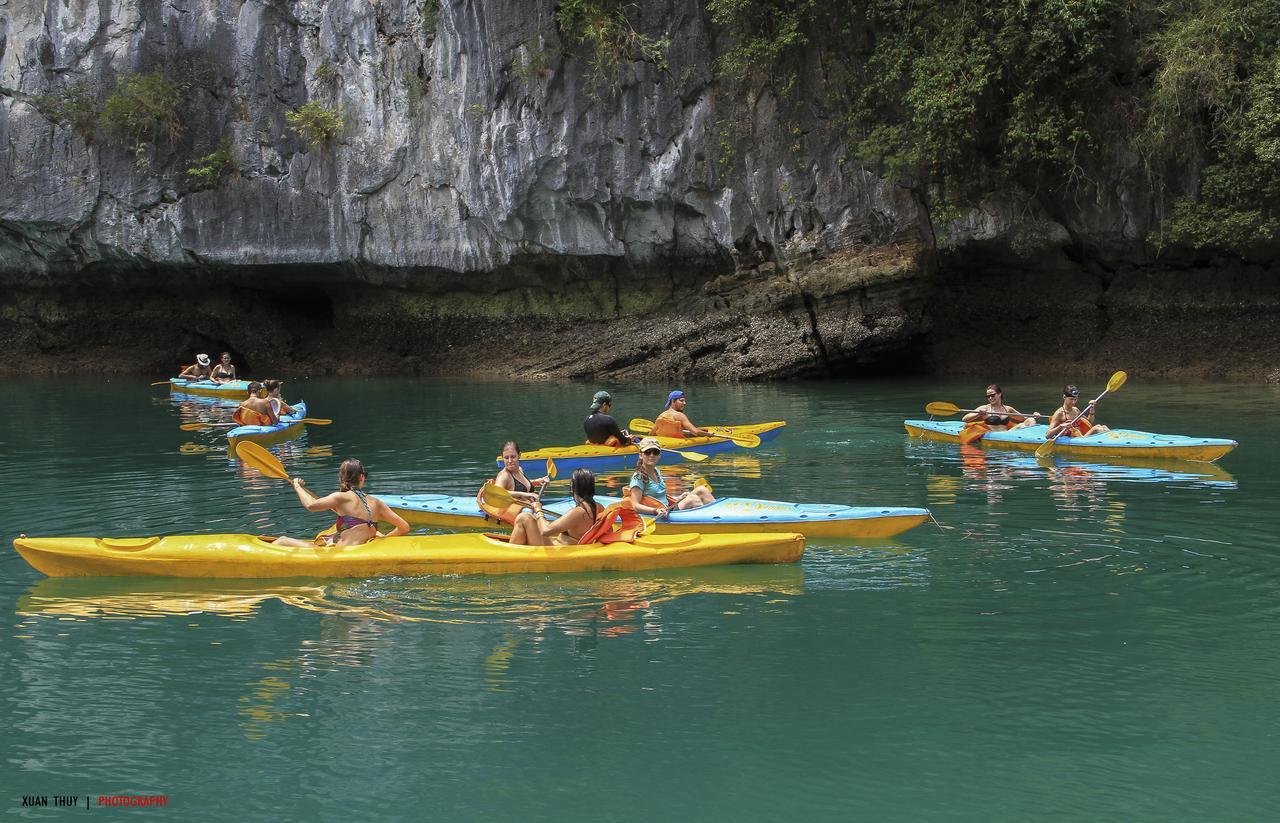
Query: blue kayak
x=232, y=390
x=1122, y=444
x=289, y=426
x=728, y=515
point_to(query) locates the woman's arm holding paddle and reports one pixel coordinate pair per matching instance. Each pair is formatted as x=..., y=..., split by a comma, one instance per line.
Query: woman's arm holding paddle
x=309, y=501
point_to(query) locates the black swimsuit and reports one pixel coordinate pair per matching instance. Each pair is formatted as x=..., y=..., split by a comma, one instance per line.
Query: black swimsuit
x=517, y=486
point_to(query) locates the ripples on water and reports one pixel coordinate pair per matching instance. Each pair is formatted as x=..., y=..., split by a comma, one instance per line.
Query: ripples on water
x=1064, y=633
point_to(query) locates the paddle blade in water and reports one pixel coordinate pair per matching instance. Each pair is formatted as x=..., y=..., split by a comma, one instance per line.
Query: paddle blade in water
x=942, y=409
x=195, y=427
x=1046, y=449
x=261, y=459
x=161, y=383
x=316, y=421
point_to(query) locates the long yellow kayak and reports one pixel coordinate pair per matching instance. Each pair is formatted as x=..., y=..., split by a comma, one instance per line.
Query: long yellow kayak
x=609, y=458
x=247, y=556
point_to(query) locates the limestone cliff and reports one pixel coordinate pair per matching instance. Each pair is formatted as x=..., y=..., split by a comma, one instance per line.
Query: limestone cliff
x=488, y=182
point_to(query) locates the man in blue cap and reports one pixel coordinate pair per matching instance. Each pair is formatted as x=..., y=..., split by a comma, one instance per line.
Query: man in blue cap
x=600, y=427
x=673, y=422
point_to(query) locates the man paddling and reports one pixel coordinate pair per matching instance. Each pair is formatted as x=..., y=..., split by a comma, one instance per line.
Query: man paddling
x=673, y=422
x=600, y=427
x=255, y=410
x=198, y=370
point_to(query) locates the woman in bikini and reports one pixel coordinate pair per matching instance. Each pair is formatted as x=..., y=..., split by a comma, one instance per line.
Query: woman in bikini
x=224, y=372
x=532, y=529
x=1066, y=417
x=647, y=482
x=358, y=513
x=512, y=478
x=995, y=413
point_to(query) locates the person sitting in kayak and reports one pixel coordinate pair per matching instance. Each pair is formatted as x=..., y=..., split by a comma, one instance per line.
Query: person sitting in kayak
x=512, y=478
x=224, y=372
x=278, y=405
x=255, y=410
x=1063, y=418
x=532, y=529
x=995, y=413
x=601, y=428
x=673, y=422
x=358, y=513
x=648, y=489
x=198, y=370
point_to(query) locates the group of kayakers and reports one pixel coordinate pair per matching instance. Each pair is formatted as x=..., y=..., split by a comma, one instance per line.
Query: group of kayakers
x=223, y=372
x=995, y=413
x=602, y=430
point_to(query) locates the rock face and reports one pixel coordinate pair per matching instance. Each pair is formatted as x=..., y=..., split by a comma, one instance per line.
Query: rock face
x=489, y=181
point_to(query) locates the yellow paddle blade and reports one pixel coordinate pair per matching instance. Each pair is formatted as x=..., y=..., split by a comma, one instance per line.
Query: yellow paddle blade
x=744, y=440
x=696, y=457
x=551, y=468
x=161, y=383
x=195, y=427
x=316, y=421
x=639, y=424
x=1046, y=449
x=699, y=480
x=499, y=497
x=1117, y=380
x=942, y=409
x=261, y=459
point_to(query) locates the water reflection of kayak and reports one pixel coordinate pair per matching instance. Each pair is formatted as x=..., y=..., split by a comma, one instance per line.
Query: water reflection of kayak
x=1118, y=444
x=1133, y=470
x=393, y=598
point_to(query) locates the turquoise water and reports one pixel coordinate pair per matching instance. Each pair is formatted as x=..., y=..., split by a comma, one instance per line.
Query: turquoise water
x=1077, y=642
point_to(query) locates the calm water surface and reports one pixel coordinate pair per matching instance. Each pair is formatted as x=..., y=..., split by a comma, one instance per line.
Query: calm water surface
x=1079, y=642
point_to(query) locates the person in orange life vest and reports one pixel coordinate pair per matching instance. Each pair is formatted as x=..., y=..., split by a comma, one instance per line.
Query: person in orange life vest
x=995, y=413
x=224, y=372
x=673, y=422
x=198, y=370
x=600, y=427
x=358, y=513
x=1063, y=417
x=273, y=397
x=532, y=529
x=647, y=484
x=255, y=410
x=512, y=478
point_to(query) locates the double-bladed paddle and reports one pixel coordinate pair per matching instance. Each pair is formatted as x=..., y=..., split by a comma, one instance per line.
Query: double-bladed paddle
x=746, y=441
x=195, y=427
x=1117, y=380
x=944, y=409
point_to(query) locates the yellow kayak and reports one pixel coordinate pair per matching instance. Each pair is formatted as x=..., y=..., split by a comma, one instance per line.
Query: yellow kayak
x=247, y=556
x=608, y=458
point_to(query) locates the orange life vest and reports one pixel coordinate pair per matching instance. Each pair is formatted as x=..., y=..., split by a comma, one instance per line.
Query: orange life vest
x=249, y=417
x=667, y=426
x=615, y=524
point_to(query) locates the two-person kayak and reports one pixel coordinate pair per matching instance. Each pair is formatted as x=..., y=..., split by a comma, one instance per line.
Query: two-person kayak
x=725, y=516
x=247, y=556
x=290, y=425
x=610, y=458
x=1117, y=444
x=233, y=389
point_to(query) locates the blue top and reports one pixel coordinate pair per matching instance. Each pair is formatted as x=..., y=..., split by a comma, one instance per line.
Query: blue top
x=657, y=489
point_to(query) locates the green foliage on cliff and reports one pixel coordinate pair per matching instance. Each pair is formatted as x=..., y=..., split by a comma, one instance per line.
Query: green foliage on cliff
x=216, y=166
x=316, y=123
x=73, y=106
x=604, y=28
x=959, y=100
x=142, y=109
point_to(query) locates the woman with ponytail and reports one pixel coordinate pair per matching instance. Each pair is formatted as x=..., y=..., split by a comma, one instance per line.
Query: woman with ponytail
x=532, y=529
x=358, y=513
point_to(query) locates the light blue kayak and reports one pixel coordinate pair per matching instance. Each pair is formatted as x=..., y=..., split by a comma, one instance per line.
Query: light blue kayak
x=1123, y=444
x=234, y=389
x=728, y=515
x=290, y=425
